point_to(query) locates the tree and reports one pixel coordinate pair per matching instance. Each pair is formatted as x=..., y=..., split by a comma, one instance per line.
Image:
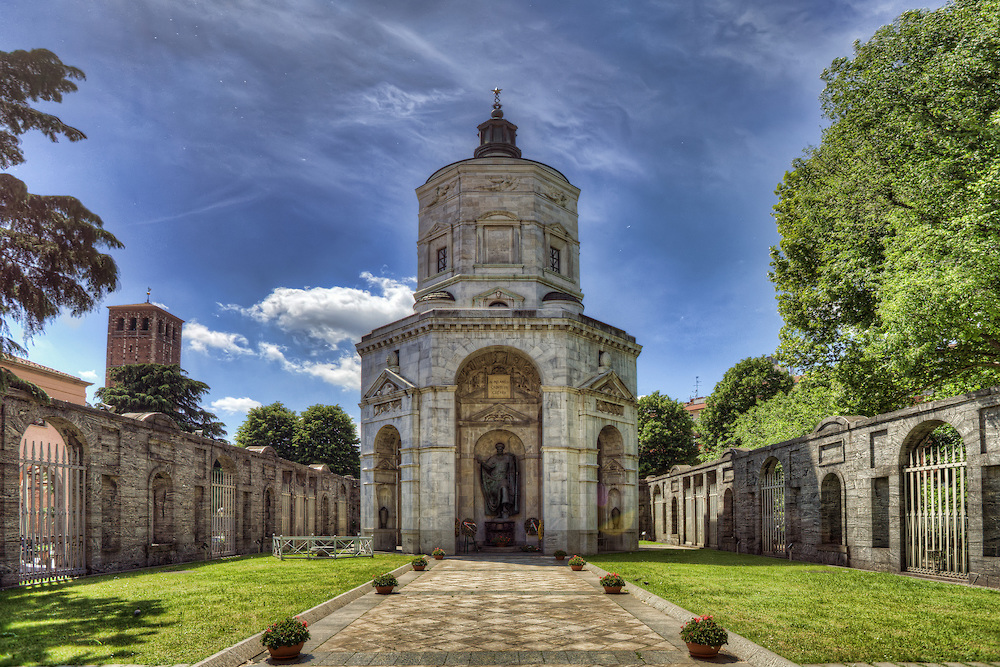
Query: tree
x=666, y=434
x=888, y=271
x=788, y=415
x=270, y=425
x=161, y=388
x=749, y=382
x=50, y=246
x=326, y=434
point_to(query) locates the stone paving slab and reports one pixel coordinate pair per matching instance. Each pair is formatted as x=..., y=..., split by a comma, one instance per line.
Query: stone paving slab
x=502, y=611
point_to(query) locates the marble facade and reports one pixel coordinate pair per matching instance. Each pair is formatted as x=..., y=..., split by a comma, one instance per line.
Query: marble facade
x=498, y=350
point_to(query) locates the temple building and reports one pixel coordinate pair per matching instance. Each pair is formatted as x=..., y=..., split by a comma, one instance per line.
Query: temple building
x=498, y=413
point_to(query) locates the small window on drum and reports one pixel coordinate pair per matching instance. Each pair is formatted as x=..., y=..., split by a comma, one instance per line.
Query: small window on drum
x=442, y=259
x=554, y=263
x=498, y=304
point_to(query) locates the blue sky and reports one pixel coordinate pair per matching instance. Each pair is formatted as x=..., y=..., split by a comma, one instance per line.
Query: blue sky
x=258, y=161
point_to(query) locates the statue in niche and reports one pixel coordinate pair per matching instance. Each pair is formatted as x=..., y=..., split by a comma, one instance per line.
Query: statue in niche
x=498, y=478
x=383, y=517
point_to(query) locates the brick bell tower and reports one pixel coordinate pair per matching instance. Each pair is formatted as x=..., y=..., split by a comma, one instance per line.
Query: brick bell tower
x=142, y=334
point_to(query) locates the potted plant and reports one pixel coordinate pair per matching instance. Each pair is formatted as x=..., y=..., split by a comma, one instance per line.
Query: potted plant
x=384, y=583
x=419, y=563
x=576, y=563
x=613, y=583
x=438, y=553
x=703, y=636
x=501, y=540
x=284, y=638
x=559, y=554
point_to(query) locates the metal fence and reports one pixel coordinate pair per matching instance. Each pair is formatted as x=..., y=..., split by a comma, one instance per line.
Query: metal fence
x=313, y=546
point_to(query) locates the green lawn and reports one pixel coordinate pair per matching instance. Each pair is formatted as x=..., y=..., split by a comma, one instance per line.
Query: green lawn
x=811, y=613
x=186, y=612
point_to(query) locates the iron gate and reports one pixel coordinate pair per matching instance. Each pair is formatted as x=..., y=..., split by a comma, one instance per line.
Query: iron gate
x=772, y=505
x=937, y=538
x=52, y=479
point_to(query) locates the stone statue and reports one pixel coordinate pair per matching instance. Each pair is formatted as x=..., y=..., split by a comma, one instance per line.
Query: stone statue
x=498, y=476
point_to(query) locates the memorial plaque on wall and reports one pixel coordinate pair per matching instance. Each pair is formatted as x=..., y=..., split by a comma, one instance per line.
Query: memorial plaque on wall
x=498, y=386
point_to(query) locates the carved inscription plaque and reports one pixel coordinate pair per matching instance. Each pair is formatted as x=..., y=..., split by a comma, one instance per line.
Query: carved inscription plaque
x=498, y=386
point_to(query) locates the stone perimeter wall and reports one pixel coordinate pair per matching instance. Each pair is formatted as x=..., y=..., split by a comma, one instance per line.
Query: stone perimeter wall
x=125, y=458
x=718, y=504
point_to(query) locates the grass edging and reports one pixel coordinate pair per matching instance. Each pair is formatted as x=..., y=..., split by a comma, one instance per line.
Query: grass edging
x=243, y=651
x=740, y=646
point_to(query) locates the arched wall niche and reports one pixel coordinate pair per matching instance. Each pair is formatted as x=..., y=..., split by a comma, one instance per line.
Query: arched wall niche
x=387, y=489
x=498, y=397
x=611, y=479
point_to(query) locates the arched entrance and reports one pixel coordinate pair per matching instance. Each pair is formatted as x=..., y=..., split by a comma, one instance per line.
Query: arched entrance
x=772, y=509
x=223, y=508
x=936, y=535
x=52, y=504
x=498, y=400
x=387, y=493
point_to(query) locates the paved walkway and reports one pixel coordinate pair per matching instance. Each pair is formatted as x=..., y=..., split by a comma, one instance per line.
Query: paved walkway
x=508, y=610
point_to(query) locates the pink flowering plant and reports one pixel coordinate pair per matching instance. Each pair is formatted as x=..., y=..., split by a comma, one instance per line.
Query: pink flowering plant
x=613, y=579
x=438, y=551
x=704, y=630
x=577, y=560
x=288, y=631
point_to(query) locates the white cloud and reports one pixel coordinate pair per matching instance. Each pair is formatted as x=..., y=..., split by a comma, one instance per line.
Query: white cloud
x=334, y=314
x=88, y=375
x=344, y=372
x=232, y=405
x=200, y=339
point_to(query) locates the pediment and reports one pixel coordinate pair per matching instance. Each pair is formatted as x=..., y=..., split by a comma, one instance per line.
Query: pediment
x=387, y=383
x=436, y=230
x=614, y=467
x=496, y=215
x=499, y=293
x=610, y=384
x=500, y=414
x=557, y=229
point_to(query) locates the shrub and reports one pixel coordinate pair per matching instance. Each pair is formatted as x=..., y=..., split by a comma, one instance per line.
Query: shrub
x=577, y=560
x=419, y=561
x=438, y=551
x=559, y=553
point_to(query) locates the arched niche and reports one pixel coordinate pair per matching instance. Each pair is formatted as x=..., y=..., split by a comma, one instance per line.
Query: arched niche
x=498, y=398
x=612, y=515
x=387, y=489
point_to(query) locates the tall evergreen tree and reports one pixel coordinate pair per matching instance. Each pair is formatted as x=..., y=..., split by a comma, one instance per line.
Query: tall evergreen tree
x=161, y=388
x=271, y=425
x=51, y=247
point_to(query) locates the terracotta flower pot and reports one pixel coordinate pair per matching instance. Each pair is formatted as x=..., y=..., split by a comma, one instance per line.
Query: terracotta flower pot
x=612, y=590
x=419, y=568
x=285, y=652
x=384, y=590
x=576, y=568
x=702, y=651
x=560, y=557
x=439, y=557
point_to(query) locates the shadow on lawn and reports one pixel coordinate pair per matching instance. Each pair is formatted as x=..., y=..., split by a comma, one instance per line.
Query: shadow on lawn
x=35, y=622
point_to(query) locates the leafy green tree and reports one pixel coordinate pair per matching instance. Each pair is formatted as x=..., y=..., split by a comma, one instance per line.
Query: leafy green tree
x=273, y=425
x=50, y=246
x=888, y=271
x=326, y=434
x=161, y=388
x=788, y=415
x=749, y=382
x=666, y=434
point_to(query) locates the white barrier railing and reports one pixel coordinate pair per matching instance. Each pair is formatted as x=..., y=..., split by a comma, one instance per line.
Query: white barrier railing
x=313, y=546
